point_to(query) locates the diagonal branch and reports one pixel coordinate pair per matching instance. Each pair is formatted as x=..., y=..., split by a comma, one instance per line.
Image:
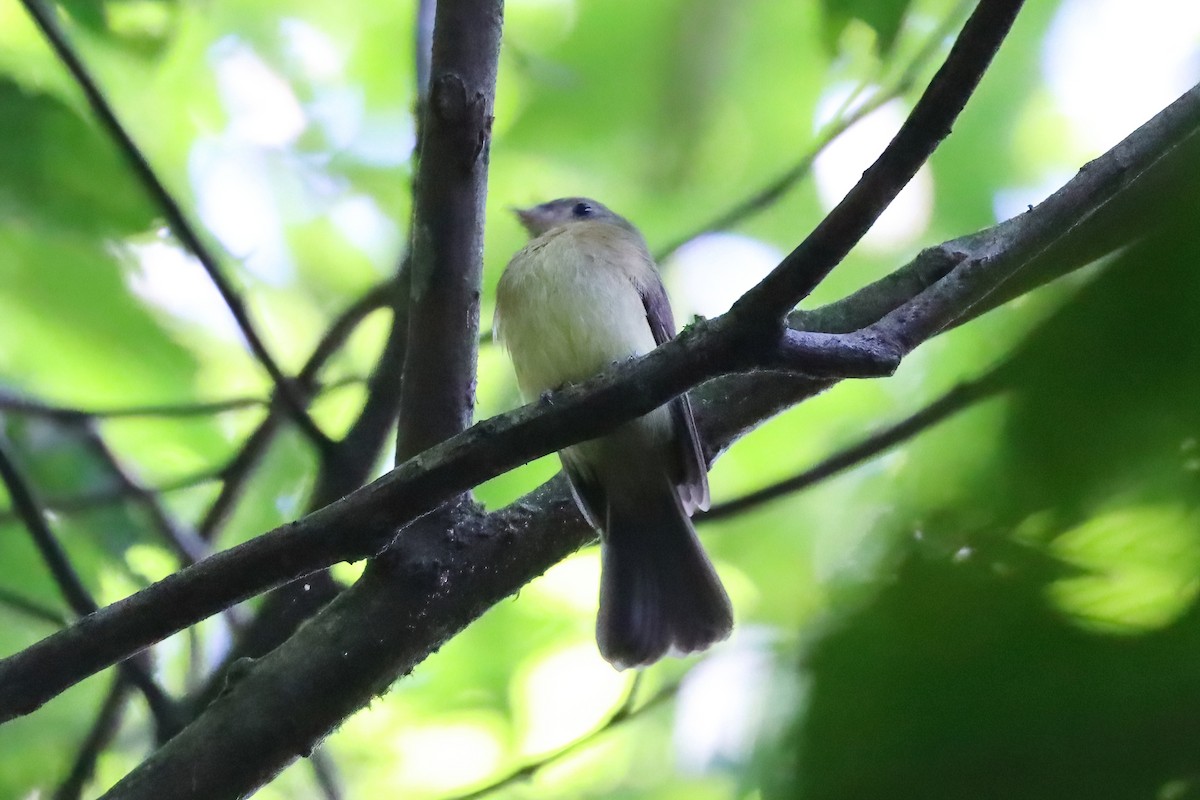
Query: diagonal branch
x=355, y=457
x=237, y=472
x=288, y=394
x=72, y=588
x=627, y=712
x=32, y=608
x=364, y=521
x=765, y=197
x=430, y=586
x=189, y=547
x=960, y=397
x=930, y=122
x=99, y=737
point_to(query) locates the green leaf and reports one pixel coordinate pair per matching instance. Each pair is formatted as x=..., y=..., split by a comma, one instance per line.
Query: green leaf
x=58, y=169
x=883, y=16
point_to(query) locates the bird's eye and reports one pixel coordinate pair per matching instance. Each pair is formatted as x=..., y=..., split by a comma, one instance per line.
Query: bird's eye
x=581, y=210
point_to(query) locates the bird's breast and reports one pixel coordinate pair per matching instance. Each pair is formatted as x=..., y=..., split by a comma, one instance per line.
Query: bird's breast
x=568, y=308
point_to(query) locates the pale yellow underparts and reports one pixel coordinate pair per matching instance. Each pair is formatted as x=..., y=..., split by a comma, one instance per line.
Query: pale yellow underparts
x=568, y=307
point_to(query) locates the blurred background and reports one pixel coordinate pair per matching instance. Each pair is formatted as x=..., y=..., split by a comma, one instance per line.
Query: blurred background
x=1004, y=605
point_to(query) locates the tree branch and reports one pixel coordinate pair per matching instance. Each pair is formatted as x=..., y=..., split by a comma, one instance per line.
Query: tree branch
x=101, y=735
x=628, y=711
x=354, y=458
x=114, y=494
x=432, y=585
x=930, y=122
x=325, y=773
x=438, y=394
x=235, y=474
x=361, y=523
x=103, y=497
x=960, y=397
x=767, y=196
x=32, y=608
x=189, y=547
x=14, y=403
x=72, y=588
x=289, y=396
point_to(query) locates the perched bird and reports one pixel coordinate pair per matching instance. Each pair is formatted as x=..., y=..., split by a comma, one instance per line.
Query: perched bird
x=583, y=295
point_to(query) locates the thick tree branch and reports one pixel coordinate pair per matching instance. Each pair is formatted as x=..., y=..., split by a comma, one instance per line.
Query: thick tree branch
x=362, y=522
x=438, y=276
x=288, y=395
x=930, y=122
x=438, y=395
x=427, y=588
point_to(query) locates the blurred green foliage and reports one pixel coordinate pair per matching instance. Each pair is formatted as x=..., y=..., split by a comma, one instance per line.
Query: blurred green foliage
x=1004, y=606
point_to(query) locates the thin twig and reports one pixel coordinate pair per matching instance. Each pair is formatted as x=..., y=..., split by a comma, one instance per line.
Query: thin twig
x=53, y=555
x=846, y=118
x=627, y=711
x=16, y=404
x=32, y=608
x=957, y=399
x=189, y=547
x=290, y=397
x=931, y=119
x=13, y=403
x=101, y=498
x=237, y=472
x=71, y=585
x=325, y=772
x=101, y=735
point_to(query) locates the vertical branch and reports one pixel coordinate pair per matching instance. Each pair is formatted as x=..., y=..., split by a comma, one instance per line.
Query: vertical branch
x=423, y=52
x=438, y=397
x=263, y=723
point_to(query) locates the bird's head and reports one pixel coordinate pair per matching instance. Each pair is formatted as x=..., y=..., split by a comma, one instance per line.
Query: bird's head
x=566, y=211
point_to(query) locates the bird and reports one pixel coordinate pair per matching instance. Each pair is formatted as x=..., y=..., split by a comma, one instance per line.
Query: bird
x=582, y=295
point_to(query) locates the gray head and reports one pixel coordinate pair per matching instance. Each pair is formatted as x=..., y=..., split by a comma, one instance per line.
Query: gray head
x=566, y=211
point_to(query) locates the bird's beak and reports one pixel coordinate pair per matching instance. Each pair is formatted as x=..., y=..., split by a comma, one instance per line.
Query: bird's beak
x=529, y=219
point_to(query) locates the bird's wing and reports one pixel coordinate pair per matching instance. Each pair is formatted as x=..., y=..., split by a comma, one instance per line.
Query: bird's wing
x=692, y=480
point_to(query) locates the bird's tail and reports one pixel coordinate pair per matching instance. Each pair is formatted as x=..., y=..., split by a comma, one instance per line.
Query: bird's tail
x=658, y=590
